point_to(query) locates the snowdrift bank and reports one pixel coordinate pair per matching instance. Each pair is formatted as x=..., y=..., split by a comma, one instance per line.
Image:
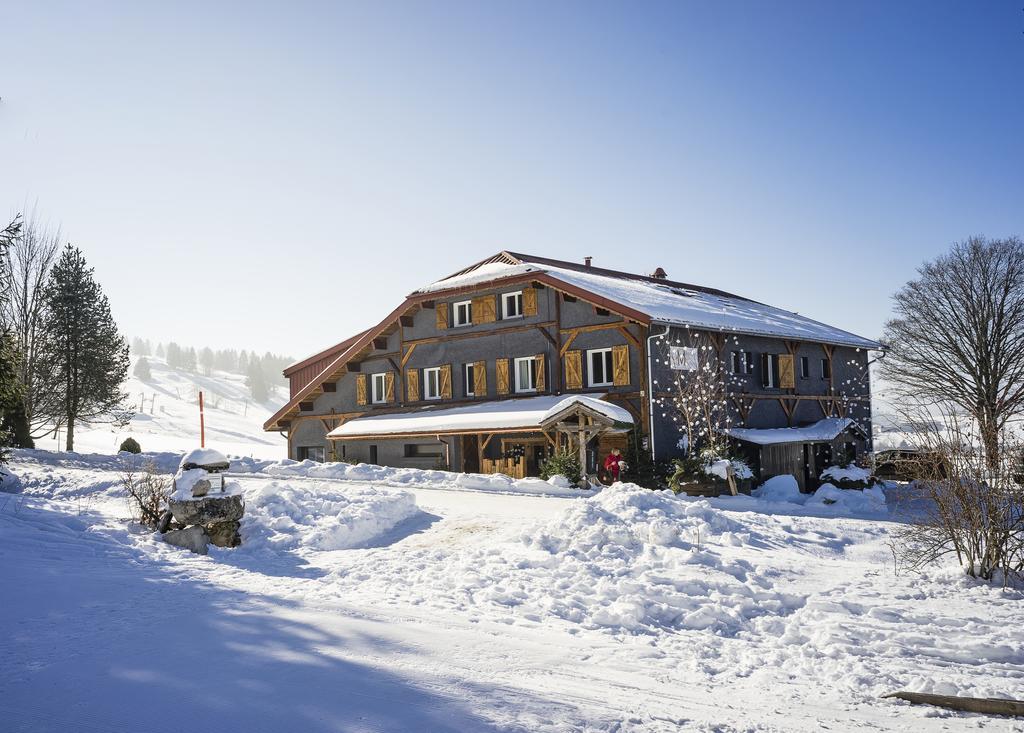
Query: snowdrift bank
x=420, y=478
x=321, y=516
x=626, y=560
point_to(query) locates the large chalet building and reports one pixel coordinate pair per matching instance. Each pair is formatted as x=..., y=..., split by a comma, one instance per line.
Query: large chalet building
x=473, y=373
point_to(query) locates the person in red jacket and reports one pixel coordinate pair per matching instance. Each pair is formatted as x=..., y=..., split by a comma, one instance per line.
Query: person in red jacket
x=613, y=464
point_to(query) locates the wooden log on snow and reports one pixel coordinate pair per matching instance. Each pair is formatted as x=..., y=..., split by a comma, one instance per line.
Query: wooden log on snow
x=983, y=705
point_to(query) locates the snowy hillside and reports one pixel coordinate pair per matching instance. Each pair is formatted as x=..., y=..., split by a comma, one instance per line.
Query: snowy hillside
x=168, y=416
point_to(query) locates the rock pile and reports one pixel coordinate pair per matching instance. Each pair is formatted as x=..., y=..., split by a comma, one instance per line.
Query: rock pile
x=203, y=509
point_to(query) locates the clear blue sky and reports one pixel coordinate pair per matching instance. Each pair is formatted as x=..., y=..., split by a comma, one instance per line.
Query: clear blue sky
x=277, y=176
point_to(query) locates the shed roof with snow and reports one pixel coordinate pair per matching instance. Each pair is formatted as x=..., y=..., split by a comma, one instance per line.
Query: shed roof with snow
x=822, y=431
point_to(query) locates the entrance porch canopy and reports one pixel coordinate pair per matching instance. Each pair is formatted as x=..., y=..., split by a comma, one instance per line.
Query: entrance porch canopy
x=521, y=415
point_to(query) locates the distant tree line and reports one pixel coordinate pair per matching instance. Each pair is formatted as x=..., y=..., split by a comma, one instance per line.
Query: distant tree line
x=62, y=359
x=262, y=371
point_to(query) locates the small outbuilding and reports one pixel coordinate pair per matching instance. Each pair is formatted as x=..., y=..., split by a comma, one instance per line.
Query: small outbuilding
x=802, y=452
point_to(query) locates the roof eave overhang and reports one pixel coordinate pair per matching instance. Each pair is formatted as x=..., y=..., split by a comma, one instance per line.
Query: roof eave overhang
x=866, y=344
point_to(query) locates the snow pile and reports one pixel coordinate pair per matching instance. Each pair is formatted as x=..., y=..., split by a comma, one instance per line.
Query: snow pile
x=413, y=477
x=850, y=473
x=628, y=560
x=204, y=457
x=320, y=516
x=720, y=467
x=828, y=499
x=851, y=502
x=780, y=489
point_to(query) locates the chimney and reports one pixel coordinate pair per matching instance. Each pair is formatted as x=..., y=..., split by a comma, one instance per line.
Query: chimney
x=587, y=261
x=660, y=274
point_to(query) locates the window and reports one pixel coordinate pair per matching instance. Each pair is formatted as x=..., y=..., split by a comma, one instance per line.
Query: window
x=373, y=455
x=600, y=363
x=742, y=362
x=379, y=388
x=805, y=367
x=432, y=383
x=512, y=305
x=310, y=453
x=526, y=374
x=420, y=450
x=770, y=370
x=463, y=311
x=826, y=369
x=470, y=383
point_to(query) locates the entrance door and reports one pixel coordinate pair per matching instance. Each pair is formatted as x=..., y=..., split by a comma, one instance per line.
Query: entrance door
x=471, y=454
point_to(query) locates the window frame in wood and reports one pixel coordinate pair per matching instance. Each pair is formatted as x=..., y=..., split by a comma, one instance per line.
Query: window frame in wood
x=468, y=374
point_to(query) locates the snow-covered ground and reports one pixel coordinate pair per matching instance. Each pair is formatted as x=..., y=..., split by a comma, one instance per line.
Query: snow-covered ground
x=355, y=605
x=167, y=415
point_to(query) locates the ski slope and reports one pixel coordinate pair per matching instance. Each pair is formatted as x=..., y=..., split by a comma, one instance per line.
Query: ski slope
x=167, y=418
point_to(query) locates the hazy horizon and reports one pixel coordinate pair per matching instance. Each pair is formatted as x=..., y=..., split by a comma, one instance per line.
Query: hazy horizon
x=277, y=177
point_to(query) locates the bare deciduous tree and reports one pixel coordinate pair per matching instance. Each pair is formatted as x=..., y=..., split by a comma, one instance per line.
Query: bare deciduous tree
x=965, y=501
x=31, y=256
x=958, y=335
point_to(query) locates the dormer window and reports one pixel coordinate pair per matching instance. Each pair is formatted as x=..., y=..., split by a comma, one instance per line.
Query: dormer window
x=512, y=305
x=463, y=311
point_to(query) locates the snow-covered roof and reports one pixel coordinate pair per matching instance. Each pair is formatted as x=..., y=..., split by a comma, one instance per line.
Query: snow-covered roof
x=665, y=302
x=612, y=412
x=820, y=432
x=515, y=414
x=480, y=274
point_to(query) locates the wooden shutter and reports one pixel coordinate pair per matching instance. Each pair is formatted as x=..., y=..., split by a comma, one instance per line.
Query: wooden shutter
x=442, y=316
x=501, y=374
x=360, y=389
x=574, y=370
x=389, y=386
x=485, y=309
x=539, y=360
x=446, y=382
x=529, y=302
x=787, y=379
x=620, y=365
x=480, y=378
x=412, y=385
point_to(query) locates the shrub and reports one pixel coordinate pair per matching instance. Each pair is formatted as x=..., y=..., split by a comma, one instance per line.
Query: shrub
x=562, y=464
x=849, y=477
x=145, y=490
x=640, y=468
x=130, y=445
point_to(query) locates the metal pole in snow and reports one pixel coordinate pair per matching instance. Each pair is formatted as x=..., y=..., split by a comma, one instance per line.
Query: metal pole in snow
x=202, y=422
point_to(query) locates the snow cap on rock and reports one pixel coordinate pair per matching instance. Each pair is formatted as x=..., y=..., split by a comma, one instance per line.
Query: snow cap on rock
x=205, y=458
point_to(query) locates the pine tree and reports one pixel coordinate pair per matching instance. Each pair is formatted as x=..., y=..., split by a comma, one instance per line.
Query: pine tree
x=174, y=358
x=160, y=352
x=142, y=370
x=206, y=360
x=257, y=383
x=190, y=359
x=14, y=427
x=84, y=349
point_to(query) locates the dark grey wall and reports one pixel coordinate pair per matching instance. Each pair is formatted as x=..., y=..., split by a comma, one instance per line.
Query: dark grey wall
x=849, y=367
x=489, y=344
